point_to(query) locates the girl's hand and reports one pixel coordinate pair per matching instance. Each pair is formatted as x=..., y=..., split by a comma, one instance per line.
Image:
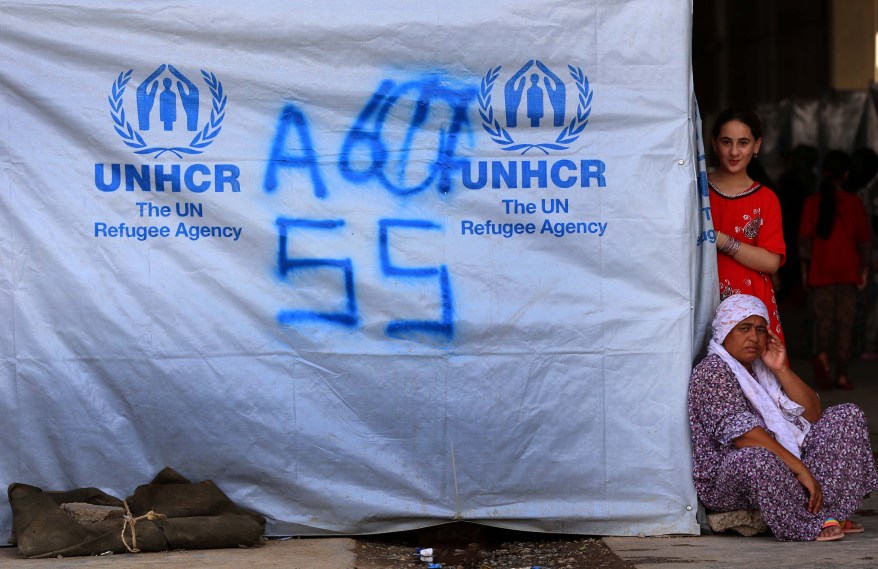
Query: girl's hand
x=775, y=354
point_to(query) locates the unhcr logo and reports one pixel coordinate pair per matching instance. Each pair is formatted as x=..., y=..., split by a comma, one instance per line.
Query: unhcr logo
x=168, y=109
x=534, y=109
x=160, y=96
x=536, y=105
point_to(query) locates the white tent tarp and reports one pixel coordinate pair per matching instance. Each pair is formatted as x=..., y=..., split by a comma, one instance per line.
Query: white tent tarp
x=368, y=266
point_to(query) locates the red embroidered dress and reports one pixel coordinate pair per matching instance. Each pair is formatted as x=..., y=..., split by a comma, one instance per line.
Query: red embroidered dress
x=752, y=217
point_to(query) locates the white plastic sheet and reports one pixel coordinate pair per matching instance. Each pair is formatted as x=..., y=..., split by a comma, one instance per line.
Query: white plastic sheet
x=369, y=267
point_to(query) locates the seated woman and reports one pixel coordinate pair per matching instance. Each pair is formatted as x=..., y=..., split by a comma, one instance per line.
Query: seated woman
x=761, y=441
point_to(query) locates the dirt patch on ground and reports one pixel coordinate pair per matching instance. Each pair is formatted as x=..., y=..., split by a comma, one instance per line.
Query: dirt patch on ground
x=471, y=546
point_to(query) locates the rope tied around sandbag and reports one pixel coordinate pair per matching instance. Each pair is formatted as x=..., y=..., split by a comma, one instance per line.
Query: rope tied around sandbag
x=130, y=521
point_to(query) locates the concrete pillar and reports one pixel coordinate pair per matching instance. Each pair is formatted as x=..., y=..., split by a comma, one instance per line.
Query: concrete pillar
x=852, y=43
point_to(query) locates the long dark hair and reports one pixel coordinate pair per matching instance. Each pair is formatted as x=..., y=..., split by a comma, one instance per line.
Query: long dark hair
x=755, y=169
x=836, y=164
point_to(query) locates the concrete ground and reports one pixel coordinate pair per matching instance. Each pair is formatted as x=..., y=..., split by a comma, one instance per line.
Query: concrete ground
x=703, y=552
x=316, y=553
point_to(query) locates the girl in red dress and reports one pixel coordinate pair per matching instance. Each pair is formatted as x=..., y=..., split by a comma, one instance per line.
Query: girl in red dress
x=746, y=213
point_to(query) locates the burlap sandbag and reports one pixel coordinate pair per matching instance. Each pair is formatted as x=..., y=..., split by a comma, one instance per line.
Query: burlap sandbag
x=191, y=516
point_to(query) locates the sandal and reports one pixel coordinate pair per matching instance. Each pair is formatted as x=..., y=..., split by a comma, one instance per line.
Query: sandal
x=844, y=383
x=830, y=522
x=849, y=526
x=821, y=374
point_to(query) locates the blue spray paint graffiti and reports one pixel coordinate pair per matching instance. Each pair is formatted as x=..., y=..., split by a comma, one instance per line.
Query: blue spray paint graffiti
x=428, y=95
x=292, y=118
x=286, y=264
x=369, y=124
x=399, y=328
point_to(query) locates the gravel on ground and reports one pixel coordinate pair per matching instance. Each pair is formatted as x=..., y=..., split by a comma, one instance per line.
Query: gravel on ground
x=472, y=546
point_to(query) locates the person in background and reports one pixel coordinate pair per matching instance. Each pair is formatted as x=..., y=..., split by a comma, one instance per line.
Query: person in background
x=864, y=183
x=745, y=212
x=862, y=180
x=798, y=181
x=834, y=246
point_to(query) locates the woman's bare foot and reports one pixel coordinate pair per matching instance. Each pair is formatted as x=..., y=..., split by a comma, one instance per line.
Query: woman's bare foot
x=831, y=531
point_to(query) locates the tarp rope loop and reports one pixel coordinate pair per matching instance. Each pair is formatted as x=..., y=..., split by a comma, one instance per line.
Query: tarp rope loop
x=131, y=521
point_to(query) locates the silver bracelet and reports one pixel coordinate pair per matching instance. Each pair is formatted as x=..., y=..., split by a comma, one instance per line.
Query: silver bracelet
x=724, y=248
x=733, y=246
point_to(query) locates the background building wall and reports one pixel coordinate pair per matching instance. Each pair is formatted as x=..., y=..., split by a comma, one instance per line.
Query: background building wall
x=852, y=43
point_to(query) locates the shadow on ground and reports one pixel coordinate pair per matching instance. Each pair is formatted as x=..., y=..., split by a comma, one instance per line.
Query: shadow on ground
x=464, y=545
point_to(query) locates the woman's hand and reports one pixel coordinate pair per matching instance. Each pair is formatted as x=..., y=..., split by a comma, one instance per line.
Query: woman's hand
x=815, y=492
x=759, y=437
x=775, y=359
x=775, y=354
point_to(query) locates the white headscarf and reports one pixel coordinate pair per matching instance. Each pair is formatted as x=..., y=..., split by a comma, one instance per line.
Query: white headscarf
x=782, y=415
